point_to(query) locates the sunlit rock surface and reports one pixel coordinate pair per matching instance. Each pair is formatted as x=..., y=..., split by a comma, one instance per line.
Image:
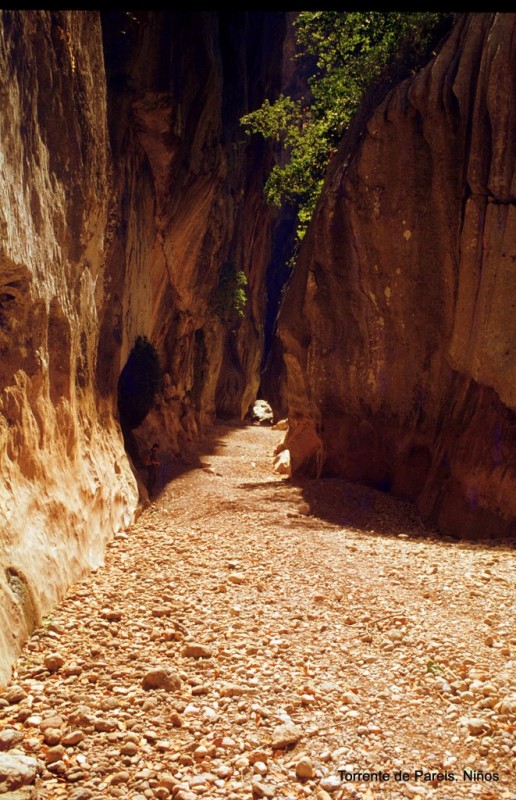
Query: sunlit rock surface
x=127, y=184
x=65, y=481
x=398, y=328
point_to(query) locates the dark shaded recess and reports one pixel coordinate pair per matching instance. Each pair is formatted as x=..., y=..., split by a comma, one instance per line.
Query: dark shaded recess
x=18, y=312
x=201, y=366
x=273, y=381
x=140, y=380
x=256, y=41
x=252, y=41
x=231, y=382
x=82, y=367
x=110, y=343
x=278, y=274
x=129, y=70
x=249, y=45
x=121, y=31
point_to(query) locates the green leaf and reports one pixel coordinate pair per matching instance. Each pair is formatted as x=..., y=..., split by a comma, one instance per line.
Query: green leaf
x=350, y=52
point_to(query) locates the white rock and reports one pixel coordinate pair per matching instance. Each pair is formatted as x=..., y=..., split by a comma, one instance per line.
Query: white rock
x=281, y=463
x=331, y=783
x=17, y=771
x=223, y=771
x=285, y=735
x=322, y=794
x=476, y=725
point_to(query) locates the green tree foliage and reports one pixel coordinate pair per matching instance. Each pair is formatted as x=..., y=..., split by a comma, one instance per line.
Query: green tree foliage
x=230, y=295
x=351, y=52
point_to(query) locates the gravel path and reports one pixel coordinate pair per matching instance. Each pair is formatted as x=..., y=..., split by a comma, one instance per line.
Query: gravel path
x=248, y=637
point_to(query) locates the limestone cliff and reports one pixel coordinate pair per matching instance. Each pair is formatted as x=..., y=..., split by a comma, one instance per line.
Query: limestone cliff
x=127, y=188
x=398, y=328
x=191, y=206
x=66, y=484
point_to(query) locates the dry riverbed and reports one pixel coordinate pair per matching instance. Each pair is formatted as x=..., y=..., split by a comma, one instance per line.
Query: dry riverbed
x=251, y=637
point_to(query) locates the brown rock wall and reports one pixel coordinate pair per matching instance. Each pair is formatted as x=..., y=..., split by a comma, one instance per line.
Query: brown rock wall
x=191, y=200
x=398, y=328
x=66, y=485
x=127, y=184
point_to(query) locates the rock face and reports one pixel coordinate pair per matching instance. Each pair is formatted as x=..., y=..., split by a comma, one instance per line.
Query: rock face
x=66, y=484
x=398, y=328
x=128, y=188
x=191, y=208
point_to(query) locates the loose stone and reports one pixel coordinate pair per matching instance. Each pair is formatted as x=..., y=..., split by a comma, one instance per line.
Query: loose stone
x=54, y=661
x=52, y=736
x=262, y=789
x=331, y=783
x=120, y=777
x=184, y=794
x=82, y=794
x=55, y=754
x=237, y=577
x=195, y=650
x=161, y=611
x=10, y=738
x=233, y=690
x=72, y=738
x=129, y=749
x=54, y=721
x=15, y=694
x=304, y=768
x=57, y=767
x=161, y=679
x=223, y=771
x=285, y=735
x=17, y=771
x=112, y=615
x=322, y=794
x=477, y=725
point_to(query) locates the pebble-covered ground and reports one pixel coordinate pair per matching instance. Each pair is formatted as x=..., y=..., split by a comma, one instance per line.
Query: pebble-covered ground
x=250, y=637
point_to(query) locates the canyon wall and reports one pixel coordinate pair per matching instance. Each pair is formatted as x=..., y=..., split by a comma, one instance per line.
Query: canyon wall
x=398, y=328
x=191, y=209
x=128, y=189
x=131, y=196
x=65, y=481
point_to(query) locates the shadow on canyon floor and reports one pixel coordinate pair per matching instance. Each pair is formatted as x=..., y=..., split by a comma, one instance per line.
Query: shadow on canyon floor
x=195, y=455
x=308, y=502
x=361, y=508
x=347, y=505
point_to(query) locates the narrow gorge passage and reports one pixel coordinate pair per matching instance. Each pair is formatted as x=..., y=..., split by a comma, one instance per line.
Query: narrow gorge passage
x=240, y=642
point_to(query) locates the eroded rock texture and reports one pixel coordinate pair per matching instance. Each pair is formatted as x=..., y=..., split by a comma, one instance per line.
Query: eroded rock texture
x=191, y=203
x=398, y=329
x=127, y=185
x=66, y=484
